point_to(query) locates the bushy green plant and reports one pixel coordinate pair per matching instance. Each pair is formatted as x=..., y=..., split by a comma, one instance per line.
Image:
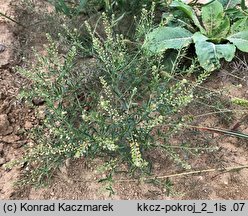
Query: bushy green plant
x=124, y=106
x=213, y=31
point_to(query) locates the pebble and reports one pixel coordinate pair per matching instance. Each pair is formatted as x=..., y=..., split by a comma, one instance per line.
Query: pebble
x=19, y=144
x=38, y=101
x=31, y=144
x=225, y=182
x=4, y=124
x=1, y=148
x=28, y=125
x=11, y=139
x=2, y=96
x=67, y=162
x=63, y=170
x=2, y=48
x=12, y=120
x=41, y=112
x=2, y=161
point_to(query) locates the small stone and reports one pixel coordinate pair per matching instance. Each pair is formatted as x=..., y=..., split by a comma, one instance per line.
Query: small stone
x=38, y=101
x=41, y=112
x=31, y=144
x=2, y=96
x=12, y=120
x=19, y=144
x=4, y=124
x=1, y=148
x=28, y=125
x=67, y=162
x=11, y=139
x=225, y=182
x=63, y=170
x=19, y=167
x=2, y=161
x=8, y=131
x=4, y=106
x=2, y=48
x=70, y=181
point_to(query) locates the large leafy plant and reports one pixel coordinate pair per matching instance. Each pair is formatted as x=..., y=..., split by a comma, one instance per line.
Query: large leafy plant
x=216, y=31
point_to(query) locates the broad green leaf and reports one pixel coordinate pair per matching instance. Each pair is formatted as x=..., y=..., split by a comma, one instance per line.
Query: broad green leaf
x=81, y=6
x=189, y=12
x=223, y=29
x=164, y=38
x=170, y=58
x=212, y=16
x=235, y=14
x=240, y=25
x=62, y=7
x=243, y=4
x=209, y=54
x=227, y=4
x=240, y=40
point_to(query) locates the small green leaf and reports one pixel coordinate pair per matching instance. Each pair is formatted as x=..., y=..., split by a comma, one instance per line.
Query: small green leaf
x=240, y=101
x=189, y=12
x=235, y=14
x=227, y=4
x=223, y=29
x=209, y=54
x=78, y=154
x=240, y=25
x=212, y=16
x=164, y=38
x=62, y=7
x=240, y=40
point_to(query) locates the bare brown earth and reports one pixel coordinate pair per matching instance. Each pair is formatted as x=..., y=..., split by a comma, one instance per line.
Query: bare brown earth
x=10, y=113
x=79, y=179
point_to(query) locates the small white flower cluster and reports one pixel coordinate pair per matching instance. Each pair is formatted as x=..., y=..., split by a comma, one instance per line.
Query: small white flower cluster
x=177, y=96
x=107, y=143
x=145, y=22
x=82, y=149
x=105, y=102
x=152, y=123
x=137, y=159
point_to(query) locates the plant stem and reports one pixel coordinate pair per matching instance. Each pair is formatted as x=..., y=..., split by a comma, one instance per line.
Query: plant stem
x=9, y=18
x=227, y=169
x=243, y=6
x=222, y=131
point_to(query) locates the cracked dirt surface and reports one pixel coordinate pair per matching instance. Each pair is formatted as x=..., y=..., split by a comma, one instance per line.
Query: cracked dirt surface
x=12, y=112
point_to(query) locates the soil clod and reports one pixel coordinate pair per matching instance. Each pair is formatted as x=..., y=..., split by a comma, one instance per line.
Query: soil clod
x=11, y=139
x=2, y=161
x=4, y=125
x=2, y=48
